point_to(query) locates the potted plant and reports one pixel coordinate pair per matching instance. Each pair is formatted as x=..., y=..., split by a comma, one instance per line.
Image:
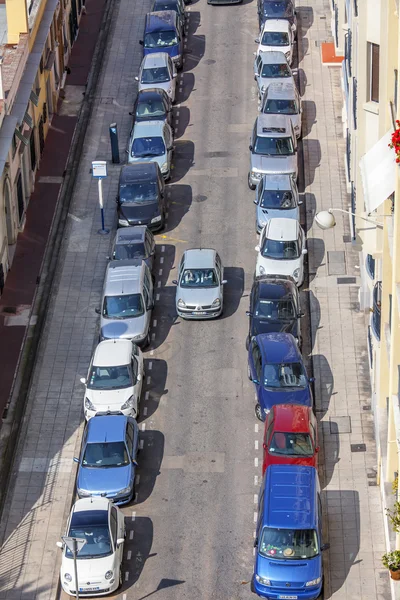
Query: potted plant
x=393, y=515
x=395, y=143
x=391, y=560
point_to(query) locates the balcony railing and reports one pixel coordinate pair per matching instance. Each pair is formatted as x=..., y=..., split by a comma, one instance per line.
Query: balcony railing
x=376, y=310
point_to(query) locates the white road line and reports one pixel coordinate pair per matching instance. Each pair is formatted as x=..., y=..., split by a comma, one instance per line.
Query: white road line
x=136, y=497
x=254, y=551
x=133, y=515
x=255, y=517
x=254, y=534
x=131, y=534
x=148, y=380
x=159, y=284
x=160, y=272
x=152, y=351
x=129, y=554
x=145, y=411
x=146, y=396
x=157, y=297
x=126, y=575
x=255, y=479
x=153, y=336
x=137, y=480
x=177, y=113
x=161, y=260
x=256, y=462
x=162, y=248
x=184, y=60
x=141, y=444
x=143, y=426
x=166, y=215
x=256, y=428
x=155, y=323
x=150, y=365
x=255, y=496
x=256, y=444
x=123, y=596
x=180, y=89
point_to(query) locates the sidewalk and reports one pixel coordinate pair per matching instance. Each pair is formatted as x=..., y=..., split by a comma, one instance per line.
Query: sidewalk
x=351, y=497
x=40, y=498
x=23, y=278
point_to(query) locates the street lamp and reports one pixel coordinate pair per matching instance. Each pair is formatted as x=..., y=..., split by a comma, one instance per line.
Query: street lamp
x=326, y=219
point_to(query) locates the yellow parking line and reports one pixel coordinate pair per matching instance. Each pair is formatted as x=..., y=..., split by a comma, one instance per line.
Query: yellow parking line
x=171, y=239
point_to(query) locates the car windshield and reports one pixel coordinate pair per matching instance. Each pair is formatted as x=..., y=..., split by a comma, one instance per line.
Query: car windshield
x=166, y=6
x=151, y=146
x=291, y=444
x=160, y=39
x=285, y=375
x=138, y=192
x=275, y=310
x=123, y=307
x=281, y=250
x=199, y=278
x=150, y=109
x=272, y=146
x=108, y=454
x=275, y=38
x=156, y=75
x=277, y=10
x=123, y=251
x=277, y=199
x=110, y=378
x=288, y=544
x=92, y=526
x=274, y=71
x=281, y=107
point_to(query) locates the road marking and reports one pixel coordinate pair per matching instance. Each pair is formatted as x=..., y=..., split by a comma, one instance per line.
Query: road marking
x=167, y=214
x=157, y=297
x=159, y=284
x=137, y=479
x=145, y=411
x=141, y=443
x=123, y=596
x=162, y=248
x=177, y=113
x=255, y=497
x=146, y=396
x=133, y=515
x=73, y=217
x=143, y=426
x=256, y=444
x=171, y=239
x=153, y=336
x=255, y=517
x=161, y=260
x=129, y=554
x=256, y=462
x=131, y=535
x=136, y=497
x=155, y=323
x=148, y=380
x=256, y=427
x=254, y=551
x=126, y=575
x=169, y=194
x=180, y=89
x=150, y=365
x=160, y=272
x=255, y=479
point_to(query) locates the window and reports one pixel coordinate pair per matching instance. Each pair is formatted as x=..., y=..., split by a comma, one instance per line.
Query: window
x=373, y=72
x=114, y=524
x=129, y=437
x=376, y=310
x=370, y=266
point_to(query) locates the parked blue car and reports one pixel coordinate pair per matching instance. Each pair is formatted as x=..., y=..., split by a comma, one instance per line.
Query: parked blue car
x=276, y=368
x=288, y=542
x=107, y=464
x=163, y=32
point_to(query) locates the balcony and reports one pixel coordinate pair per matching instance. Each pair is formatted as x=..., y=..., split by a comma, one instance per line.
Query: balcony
x=376, y=310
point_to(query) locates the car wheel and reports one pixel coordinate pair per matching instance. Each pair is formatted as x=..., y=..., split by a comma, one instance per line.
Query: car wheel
x=120, y=578
x=259, y=412
x=251, y=185
x=249, y=373
x=252, y=588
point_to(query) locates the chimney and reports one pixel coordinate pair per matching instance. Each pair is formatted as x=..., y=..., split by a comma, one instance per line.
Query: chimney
x=17, y=20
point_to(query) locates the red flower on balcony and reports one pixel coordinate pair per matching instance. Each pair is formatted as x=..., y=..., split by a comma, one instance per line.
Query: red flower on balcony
x=395, y=143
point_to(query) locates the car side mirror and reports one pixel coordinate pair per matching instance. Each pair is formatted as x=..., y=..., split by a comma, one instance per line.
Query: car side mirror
x=60, y=545
x=135, y=462
x=83, y=380
x=256, y=542
x=120, y=541
x=256, y=381
x=150, y=306
x=170, y=148
x=139, y=377
x=304, y=251
x=175, y=75
x=248, y=313
x=325, y=547
x=300, y=202
x=76, y=459
x=136, y=79
x=224, y=281
x=255, y=201
x=97, y=311
x=264, y=446
x=141, y=42
x=174, y=281
x=257, y=248
x=317, y=449
x=311, y=379
x=117, y=200
x=257, y=40
x=301, y=315
x=251, y=148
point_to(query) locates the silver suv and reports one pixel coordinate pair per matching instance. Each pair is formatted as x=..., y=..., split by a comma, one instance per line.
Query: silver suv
x=276, y=196
x=283, y=99
x=127, y=301
x=273, y=148
x=199, y=292
x=271, y=67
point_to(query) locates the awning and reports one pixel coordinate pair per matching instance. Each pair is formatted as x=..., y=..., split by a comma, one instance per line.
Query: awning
x=378, y=173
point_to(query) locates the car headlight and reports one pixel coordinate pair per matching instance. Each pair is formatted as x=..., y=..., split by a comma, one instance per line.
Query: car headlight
x=89, y=405
x=124, y=491
x=263, y=580
x=313, y=582
x=256, y=175
x=108, y=575
x=261, y=270
x=137, y=337
x=67, y=577
x=164, y=166
x=128, y=404
x=156, y=219
x=181, y=303
x=296, y=128
x=83, y=493
x=267, y=411
x=123, y=222
x=216, y=303
x=169, y=91
x=296, y=273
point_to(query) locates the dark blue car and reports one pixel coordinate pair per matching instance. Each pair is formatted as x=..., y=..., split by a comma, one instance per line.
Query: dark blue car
x=107, y=464
x=163, y=32
x=276, y=368
x=288, y=561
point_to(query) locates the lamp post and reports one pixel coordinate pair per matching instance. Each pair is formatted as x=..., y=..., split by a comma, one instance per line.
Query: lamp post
x=326, y=219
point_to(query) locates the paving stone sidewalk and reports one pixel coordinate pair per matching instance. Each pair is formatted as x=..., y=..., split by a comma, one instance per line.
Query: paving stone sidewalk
x=43, y=473
x=351, y=498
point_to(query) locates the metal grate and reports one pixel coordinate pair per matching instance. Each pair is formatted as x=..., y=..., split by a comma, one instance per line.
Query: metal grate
x=358, y=447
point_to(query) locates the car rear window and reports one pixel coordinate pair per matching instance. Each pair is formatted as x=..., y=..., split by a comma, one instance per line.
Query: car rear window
x=276, y=71
x=275, y=38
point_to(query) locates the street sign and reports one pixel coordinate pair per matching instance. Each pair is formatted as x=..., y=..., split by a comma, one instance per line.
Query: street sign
x=74, y=544
x=99, y=169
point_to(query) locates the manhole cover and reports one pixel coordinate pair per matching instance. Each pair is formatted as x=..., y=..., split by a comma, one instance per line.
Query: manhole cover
x=346, y=280
x=358, y=447
x=209, y=61
x=340, y=425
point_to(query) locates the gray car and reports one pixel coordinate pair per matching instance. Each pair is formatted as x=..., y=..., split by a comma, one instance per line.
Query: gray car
x=152, y=141
x=199, y=292
x=127, y=301
x=158, y=71
x=283, y=99
x=273, y=148
x=276, y=196
x=134, y=242
x=271, y=67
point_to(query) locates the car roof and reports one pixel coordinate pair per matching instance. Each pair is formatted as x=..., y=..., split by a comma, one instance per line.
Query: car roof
x=276, y=25
x=106, y=428
x=273, y=125
x=123, y=277
x=113, y=353
x=160, y=20
x=199, y=258
x=154, y=60
x=277, y=181
x=282, y=89
x=281, y=347
x=282, y=229
x=140, y=170
x=274, y=57
x=290, y=494
x=271, y=1
x=151, y=94
x=148, y=128
x=291, y=417
x=94, y=503
x=130, y=235
x=280, y=289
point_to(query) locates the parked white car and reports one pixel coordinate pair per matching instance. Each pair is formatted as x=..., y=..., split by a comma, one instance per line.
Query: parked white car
x=114, y=380
x=276, y=35
x=101, y=524
x=281, y=249
x=158, y=71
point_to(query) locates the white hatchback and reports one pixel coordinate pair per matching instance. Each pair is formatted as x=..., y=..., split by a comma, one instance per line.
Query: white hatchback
x=114, y=380
x=281, y=250
x=276, y=34
x=100, y=524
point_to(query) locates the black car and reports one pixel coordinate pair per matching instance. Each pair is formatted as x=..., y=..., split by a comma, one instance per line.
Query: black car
x=274, y=307
x=141, y=196
x=152, y=104
x=276, y=9
x=176, y=5
x=134, y=242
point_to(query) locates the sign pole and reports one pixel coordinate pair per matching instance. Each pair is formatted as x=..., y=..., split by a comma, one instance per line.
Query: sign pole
x=76, y=568
x=99, y=171
x=74, y=545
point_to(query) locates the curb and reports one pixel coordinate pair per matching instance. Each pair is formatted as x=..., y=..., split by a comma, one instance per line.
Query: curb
x=11, y=426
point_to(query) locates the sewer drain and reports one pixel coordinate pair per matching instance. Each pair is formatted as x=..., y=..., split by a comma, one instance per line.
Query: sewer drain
x=347, y=280
x=358, y=447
